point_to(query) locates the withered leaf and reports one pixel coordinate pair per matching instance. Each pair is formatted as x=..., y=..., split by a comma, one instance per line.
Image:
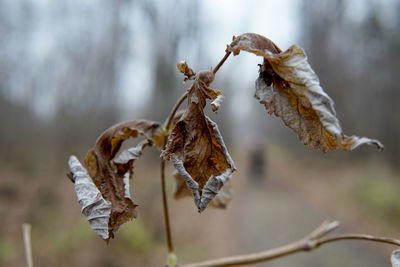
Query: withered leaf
x=110, y=173
x=196, y=148
x=290, y=89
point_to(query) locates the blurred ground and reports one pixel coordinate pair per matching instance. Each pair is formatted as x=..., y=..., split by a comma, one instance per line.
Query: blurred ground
x=293, y=197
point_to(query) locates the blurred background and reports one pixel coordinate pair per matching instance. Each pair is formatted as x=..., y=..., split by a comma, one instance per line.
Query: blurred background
x=70, y=69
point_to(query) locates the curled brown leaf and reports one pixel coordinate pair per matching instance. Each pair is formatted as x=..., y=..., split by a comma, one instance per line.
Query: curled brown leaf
x=290, y=89
x=110, y=172
x=196, y=148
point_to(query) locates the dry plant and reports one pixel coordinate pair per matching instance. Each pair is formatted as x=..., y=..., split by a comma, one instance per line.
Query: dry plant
x=287, y=87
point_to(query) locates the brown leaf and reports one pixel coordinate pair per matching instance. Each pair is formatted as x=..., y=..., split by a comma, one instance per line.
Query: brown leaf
x=290, y=89
x=196, y=148
x=110, y=173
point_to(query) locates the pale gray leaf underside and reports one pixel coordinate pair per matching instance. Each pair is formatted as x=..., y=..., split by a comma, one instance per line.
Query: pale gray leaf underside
x=94, y=207
x=221, y=200
x=130, y=154
x=396, y=258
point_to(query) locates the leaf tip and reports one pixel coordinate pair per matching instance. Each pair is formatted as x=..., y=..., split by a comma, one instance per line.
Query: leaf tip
x=395, y=259
x=379, y=145
x=216, y=103
x=74, y=166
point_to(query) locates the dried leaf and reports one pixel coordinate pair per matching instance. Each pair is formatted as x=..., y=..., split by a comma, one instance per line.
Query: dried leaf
x=110, y=173
x=396, y=258
x=290, y=89
x=196, y=148
x=221, y=200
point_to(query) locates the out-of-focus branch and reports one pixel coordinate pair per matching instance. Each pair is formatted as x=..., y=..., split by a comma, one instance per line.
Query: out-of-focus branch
x=386, y=240
x=26, y=234
x=312, y=241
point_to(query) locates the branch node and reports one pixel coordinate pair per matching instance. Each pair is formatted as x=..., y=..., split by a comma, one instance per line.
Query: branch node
x=165, y=131
x=308, y=244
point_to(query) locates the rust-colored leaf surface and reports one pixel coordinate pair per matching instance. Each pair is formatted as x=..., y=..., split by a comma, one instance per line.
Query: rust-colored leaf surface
x=196, y=148
x=290, y=89
x=109, y=174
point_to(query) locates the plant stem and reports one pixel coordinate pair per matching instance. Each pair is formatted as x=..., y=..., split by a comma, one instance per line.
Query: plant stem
x=26, y=234
x=386, y=240
x=308, y=243
x=164, y=194
x=165, y=207
x=221, y=63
